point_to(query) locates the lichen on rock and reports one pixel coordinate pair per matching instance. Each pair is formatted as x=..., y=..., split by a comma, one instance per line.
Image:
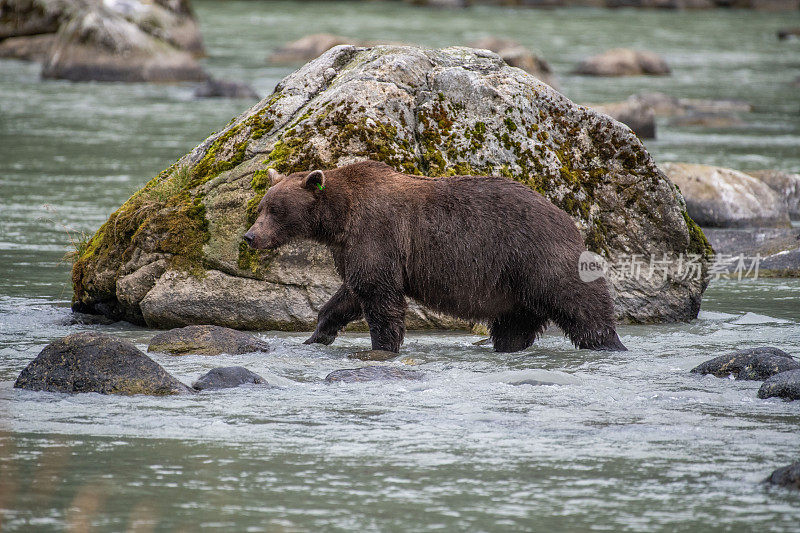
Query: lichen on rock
x=433, y=112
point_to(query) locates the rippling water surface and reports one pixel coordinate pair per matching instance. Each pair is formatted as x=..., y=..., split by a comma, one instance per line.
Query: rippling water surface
x=626, y=441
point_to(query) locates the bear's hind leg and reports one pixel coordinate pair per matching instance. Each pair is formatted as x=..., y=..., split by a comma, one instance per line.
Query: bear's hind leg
x=516, y=331
x=588, y=320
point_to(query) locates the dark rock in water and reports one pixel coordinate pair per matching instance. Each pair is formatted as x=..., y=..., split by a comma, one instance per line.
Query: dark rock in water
x=784, y=385
x=371, y=373
x=94, y=362
x=734, y=362
x=372, y=355
x=225, y=89
x=206, y=340
x=777, y=248
x=533, y=382
x=786, y=476
x=762, y=366
x=227, y=377
x=788, y=33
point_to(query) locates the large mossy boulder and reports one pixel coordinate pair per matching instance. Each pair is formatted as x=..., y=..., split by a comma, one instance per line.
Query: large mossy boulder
x=95, y=362
x=173, y=255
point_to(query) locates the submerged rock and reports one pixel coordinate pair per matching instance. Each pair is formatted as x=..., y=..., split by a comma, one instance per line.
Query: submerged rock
x=227, y=377
x=722, y=197
x=213, y=88
x=516, y=55
x=372, y=355
x=624, y=62
x=786, y=476
x=786, y=185
x=637, y=116
x=206, y=340
x=784, y=385
x=432, y=112
x=94, y=362
x=746, y=364
x=372, y=373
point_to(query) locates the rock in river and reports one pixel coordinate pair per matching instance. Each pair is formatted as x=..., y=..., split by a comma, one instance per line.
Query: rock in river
x=206, y=340
x=624, y=62
x=722, y=197
x=752, y=363
x=227, y=377
x=173, y=254
x=94, y=362
x=516, y=55
x=784, y=385
x=786, y=476
x=372, y=373
x=214, y=88
x=786, y=185
x=372, y=355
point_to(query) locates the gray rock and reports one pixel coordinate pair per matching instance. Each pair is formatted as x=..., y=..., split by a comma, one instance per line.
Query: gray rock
x=206, y=340
x=669, y=106
x=372, y=355
x=94, y=362
x=31, y=25
x=750, y=361
x=722, y=197
x=777, y=248
x=636, y=115
x=227, y=377
x=707, y=120
x=372, y=373
x=786, y=476
x=27, y=48
x=786, y=185
x=516, y=55
x=624, y=62
x=213, y=88
x=784, y=385
x=432, y=112
x=532, y=382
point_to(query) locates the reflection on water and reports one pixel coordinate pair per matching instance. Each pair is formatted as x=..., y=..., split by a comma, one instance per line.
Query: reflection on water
x=621, y=441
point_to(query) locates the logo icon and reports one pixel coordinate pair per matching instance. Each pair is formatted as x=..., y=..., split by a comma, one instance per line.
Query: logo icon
x=591, y=266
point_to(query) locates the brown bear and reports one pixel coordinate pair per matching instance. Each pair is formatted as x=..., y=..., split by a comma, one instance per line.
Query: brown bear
x=479, y=248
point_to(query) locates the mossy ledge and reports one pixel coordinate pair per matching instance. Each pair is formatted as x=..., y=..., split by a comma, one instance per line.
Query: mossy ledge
x=445, y=112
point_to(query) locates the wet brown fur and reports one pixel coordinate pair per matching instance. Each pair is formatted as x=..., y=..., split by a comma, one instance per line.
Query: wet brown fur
x=479, y=248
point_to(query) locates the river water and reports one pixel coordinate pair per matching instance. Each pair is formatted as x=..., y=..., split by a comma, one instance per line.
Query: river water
x=625, y=441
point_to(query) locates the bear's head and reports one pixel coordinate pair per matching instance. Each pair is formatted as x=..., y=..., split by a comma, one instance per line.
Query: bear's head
x=287, y=211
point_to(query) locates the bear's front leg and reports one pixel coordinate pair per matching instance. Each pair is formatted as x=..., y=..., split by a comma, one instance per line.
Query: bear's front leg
x=340, y=310
x=385, y=315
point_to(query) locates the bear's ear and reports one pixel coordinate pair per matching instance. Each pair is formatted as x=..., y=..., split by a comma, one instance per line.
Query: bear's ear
x=274, y=176
x=315, y=180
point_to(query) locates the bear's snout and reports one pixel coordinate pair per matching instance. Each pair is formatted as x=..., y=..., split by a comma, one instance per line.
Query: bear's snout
x=248, y=238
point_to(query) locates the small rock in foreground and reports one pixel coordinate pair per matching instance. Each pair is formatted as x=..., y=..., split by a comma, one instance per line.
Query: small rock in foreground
x=784, y=385
x=735, y=362
x=206, y=340
x=227, y=378
x=532, y=382
x=371, y=373
x=372, y=355
x=94, y=362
